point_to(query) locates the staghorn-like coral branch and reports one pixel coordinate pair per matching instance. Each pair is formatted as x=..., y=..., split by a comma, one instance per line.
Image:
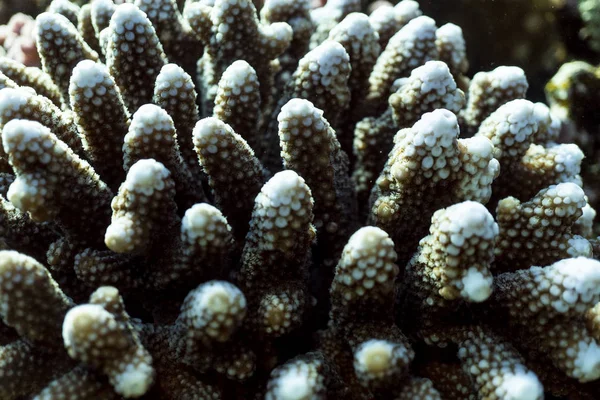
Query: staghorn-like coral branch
x=237, y=102
x=295, y=13
x=144, y=205
x=144, y=220
x=454, y=259
x=134, y=54
x=92, y=335
x=152, y=135
x=305, y=376
x=81, y=383
x=362, y=313
x=528, y=167
x=364, y=279
x=205, y=336
x=24, y=370
x=452, y=50
x=428, y=88
x=542, y=224
x=327, y=17
x=276, y=257
x=547, y=308
x=102, y=119
x=388, y=20
x=411, y=47
x=206, y=241
x=321, y=78
x=216, y=143
x=174, y=33
x=61, y=48
x=238, y=299
x=85, y=26
x=211, y=314
x=44, y=166
x=65, y=8
x=359, y=38
x=18, y=232
x=310, y=147
x=5, y=82
x=174, y=91
x=32, y=302
x=490, y=90
x=429, y=169
x=451, y=267
x=543, y=294
x=102, y=11
x=497, y=371
x=22, y=103
x=33, y=77
x=246, y=39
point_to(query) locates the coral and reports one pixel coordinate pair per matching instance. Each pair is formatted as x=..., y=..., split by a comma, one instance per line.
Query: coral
x=225, y=42
x=428, y=88
x=131, y=41
x=321, y=78
x=451, y=267
x=590, y=14
x=61, y=49
x=490, y=90
x=428, y=169
x=17, y=40
x=101, y=117
x=496, y=368
x=571, y=93
x=216, y=143
x=388, y=20
x=235, y=199
x=410, y=47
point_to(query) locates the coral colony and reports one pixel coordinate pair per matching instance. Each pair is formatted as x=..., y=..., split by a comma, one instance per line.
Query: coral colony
x=210, y=201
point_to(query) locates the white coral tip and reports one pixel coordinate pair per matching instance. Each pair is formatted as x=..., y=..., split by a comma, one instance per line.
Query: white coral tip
x=77, y=316
x=477, y=287
x=134, y=381
x=294, y=385
x=587, y=363
x=119, y=235
x=368, y=238
x=522, y=386
x=375, y=356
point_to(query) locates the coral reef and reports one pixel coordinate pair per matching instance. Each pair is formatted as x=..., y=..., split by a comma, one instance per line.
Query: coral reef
x=235, y=199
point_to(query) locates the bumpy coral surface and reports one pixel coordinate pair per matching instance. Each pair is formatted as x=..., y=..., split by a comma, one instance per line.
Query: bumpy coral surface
x=235, y=199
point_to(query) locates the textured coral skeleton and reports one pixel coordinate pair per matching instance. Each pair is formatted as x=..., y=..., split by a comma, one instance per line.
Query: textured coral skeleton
x=232, y=199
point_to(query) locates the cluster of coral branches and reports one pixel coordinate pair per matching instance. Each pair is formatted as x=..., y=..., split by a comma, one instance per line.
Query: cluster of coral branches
x=231, y=199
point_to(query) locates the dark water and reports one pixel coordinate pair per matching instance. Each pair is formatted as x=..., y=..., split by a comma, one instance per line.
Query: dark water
x=536, y=35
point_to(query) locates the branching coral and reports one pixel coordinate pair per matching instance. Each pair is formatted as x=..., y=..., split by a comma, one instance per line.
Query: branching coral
x=571, y=94
x=429, y=169
x=428, y=88
x=490, y=90
x=411, y=47
x=387, y=20
x=451, y=266
x=246, y=39
x=184, y=190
